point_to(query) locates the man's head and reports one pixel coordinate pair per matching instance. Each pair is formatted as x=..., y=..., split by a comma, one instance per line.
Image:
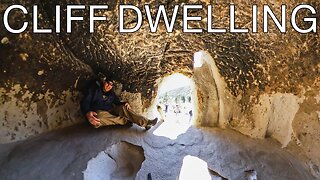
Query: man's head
x=107, y=83
x=107, y=86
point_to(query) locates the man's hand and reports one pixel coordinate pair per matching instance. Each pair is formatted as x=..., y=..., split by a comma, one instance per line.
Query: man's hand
x=91, y=116
x=127, y=105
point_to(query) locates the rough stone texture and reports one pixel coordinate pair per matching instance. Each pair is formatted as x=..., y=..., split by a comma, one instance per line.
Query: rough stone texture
x=39, y=80
x=306, y=125
x=65, y=154
x=273, y=117
x=207, y=95
x=121, y=161
x=254, y=66
x=22, y=117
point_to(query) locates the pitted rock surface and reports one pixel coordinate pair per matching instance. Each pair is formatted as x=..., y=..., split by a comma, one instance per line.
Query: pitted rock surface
x=42, y=76
x=67, y=154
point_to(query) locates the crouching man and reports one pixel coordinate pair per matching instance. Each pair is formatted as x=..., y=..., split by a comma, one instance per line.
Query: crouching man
x=102, y=107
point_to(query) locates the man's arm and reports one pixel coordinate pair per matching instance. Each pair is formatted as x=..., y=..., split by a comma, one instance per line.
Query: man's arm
x=86, y=110
x=118, y=102
x=85, y=104
x=91, y=116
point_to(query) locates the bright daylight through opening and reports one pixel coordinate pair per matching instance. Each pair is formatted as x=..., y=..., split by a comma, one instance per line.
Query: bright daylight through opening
x=194, y=168
x=176, y=105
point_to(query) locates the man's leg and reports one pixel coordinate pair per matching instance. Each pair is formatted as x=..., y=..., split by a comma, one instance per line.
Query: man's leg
x=107, y=119
x=122, y=111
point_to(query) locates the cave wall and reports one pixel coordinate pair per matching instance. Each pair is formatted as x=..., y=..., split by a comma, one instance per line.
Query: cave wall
x=40, y=82
x=207, y=95
x=271, y=79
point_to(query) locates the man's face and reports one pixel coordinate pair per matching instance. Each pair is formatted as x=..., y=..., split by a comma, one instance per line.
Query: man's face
x=108, y=86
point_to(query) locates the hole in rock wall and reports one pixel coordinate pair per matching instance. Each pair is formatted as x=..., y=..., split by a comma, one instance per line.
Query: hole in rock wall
x=176, y=105
x=196, y=168
x=121, y=161
x=183, y=101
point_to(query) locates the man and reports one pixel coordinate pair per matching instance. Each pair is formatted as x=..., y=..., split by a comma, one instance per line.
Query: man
x=102, y=107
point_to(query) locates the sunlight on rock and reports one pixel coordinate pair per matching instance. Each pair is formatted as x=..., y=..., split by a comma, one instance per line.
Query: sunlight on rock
x=121, y=161
x=198, y=62
x=100, y=167
x=175, y=103
x=172, y=129
x=194, y=168
x=174, y=81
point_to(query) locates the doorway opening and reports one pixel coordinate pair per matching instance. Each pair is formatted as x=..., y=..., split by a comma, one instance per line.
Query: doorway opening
x=176, y=104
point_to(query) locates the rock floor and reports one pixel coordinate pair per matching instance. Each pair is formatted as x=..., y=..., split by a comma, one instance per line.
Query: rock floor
x=82, y=152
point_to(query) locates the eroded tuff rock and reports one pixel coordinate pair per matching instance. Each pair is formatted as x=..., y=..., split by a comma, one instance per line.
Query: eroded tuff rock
x=65, y=154
x=245, y=60
x=42, y=74
x=120, y=161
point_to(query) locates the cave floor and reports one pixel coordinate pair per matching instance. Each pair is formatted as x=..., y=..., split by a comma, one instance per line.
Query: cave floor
x=82, y=152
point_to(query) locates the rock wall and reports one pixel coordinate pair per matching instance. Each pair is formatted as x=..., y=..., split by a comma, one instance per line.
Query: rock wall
x=24, y=113
x=271, y=79
x=40, y=81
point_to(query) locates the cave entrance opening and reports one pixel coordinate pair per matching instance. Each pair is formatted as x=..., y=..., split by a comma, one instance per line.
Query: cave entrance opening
x=176, y=104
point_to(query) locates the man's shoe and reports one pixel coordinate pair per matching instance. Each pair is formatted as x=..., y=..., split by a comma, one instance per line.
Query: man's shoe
x=128, y=124
x=151, y=123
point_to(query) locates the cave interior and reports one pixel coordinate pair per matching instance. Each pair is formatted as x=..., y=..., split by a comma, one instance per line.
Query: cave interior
x=230, y=105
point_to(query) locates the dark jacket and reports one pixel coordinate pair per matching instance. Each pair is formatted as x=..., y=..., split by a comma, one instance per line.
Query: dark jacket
x=96, y=99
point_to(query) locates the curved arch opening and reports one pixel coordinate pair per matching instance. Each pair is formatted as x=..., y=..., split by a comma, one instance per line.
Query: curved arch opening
x=176, y=104
x=198, y=100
